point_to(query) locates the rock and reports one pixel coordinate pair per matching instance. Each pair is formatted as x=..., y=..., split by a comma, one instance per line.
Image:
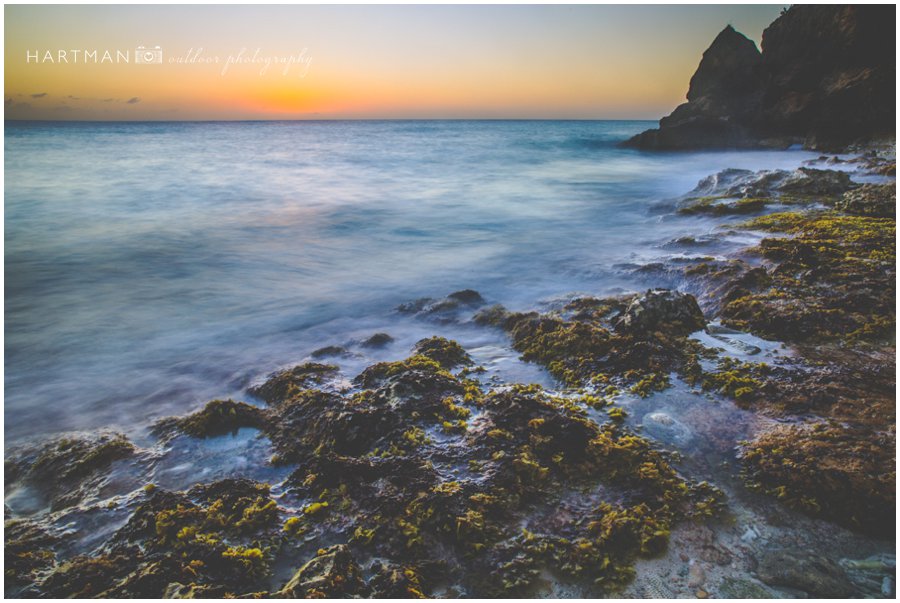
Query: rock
x=873, y=200
x=445, y=352
x=662, y=310
x=804, y=571
x=495, y=316
x=696, y=576
x=701, y=594
x=809, y=181
x=177, y=590
x=662, y=427
x=750, y=534
x=724, y=87
x=830, y=73
x=764, y=184
x=283, y=384
x=67, y=469
x=840, y=473
x=444, y=310
x=330, y=350
x=736, y=588
x=216, y=418
x=825, y=77
x=378, y=340
x=395, y=582
x=468, y=297
x=28, y=551
x=333, y=573
x=872, y=576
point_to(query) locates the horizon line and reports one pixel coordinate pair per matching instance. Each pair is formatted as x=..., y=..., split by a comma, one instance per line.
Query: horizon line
x=320, y=119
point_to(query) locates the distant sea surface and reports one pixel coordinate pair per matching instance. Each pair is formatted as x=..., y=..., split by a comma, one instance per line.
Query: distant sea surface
x=150, y=267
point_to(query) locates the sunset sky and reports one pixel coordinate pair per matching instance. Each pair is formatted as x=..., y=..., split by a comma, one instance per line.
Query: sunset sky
x=556, y=62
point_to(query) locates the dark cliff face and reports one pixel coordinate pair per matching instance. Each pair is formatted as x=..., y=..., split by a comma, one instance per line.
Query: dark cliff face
x=825, y=78
x=831, y=73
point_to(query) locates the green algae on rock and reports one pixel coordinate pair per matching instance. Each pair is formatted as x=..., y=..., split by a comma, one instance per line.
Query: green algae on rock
x=832, y=280
x=843, y=474
x=716, y=206
x=28, y=551
x=633, y=341
x=65, y=469
x=448, y=354
x=283, y=384
x=216, y=418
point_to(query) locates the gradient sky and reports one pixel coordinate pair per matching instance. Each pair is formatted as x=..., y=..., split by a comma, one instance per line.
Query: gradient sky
x=578, y=62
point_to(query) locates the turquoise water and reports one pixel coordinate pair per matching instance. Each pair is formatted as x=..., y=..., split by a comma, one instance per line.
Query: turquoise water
x=153, y=266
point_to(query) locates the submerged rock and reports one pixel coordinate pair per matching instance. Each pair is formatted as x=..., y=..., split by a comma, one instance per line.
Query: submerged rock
x=737, y=588
x=331, y=350
x=469, y=297
x=662, y=427
x=378, y=340
x=804, y=571
x=445, y=310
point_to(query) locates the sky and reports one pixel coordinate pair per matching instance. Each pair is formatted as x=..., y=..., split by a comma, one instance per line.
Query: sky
x=359, y=62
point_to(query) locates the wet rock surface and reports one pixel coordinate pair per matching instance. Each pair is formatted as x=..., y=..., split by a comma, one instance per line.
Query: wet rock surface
x=662, y=310
x=331, y=574
x=803, y=571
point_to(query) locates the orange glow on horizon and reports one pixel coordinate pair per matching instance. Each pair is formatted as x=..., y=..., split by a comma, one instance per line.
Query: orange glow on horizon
x=475, y=61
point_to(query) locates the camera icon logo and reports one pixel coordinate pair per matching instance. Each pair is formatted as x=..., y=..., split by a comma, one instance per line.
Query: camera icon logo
x=148, y=56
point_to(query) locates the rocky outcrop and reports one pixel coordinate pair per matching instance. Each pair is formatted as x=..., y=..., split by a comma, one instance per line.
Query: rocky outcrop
x=825, y=78
x=662, y=309
x=723, y=96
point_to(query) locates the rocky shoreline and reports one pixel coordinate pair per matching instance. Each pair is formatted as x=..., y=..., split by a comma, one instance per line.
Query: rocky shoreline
x=424, y=477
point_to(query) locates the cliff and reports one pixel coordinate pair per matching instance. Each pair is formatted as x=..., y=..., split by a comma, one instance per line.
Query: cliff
x=825, y=78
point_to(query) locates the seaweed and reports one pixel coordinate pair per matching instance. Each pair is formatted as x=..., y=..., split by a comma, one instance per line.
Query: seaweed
x=841, y=473
x=216, y=418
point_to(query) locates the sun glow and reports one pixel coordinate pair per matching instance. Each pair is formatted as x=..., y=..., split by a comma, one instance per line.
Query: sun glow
x=277, y=62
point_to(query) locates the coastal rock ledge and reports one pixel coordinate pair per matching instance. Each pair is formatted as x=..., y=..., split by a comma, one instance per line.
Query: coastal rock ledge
x=825, y=78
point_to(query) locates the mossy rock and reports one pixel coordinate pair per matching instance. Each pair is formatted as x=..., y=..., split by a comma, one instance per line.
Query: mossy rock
x=284, y=384
x=216, y=418
x=843, y=474
x=445, y=352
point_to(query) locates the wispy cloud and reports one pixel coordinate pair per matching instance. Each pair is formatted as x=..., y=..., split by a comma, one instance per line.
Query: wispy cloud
x=133, y=100
x=39, y=95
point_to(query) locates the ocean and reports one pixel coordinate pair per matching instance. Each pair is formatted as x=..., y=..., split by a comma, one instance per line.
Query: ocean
x=151, y=267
